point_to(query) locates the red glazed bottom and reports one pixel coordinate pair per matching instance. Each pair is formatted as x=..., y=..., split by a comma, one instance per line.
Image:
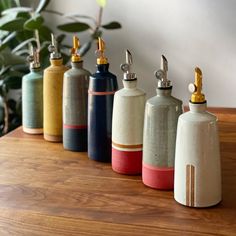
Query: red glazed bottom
x=159, y=178
x=124, y=162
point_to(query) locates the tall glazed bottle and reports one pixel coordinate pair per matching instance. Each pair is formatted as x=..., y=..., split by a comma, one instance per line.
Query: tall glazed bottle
x=52, y=94
x=161, y=116
x=102, y=87
x=75, y=101
x=32, y=96
x=197, y=157
x=127, y=124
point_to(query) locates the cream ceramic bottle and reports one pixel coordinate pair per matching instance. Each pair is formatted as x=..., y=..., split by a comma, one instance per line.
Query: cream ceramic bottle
x=160, y=125
x=197, y=156
x=127, y=124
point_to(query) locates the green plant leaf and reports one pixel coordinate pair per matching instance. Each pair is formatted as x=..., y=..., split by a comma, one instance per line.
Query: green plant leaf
x=102, y=3
x=34, y=23
x=8, y=58
x=85, y=48
x=17, y=10
x=60, y=38
x=45, y=33
x=112, y=25
x=13, y=80
x=74, y=27
x=13, y=25
x=42, y=5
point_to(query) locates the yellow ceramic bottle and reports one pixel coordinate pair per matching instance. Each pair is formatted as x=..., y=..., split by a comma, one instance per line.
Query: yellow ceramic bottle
x=52, y=95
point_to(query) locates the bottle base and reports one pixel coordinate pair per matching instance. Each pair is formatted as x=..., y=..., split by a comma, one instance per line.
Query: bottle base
x=75, y=139
x=33, y=130
x=127, y=162
x=158, y=177
x=200, y=205
x=53, y=138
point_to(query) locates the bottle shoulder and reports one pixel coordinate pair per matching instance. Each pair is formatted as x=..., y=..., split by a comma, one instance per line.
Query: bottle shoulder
x=53, y=68
x=204, y=116
x=33, y=75
x=130, y=92
x=164, y=100
x=77, y=72
x=103, y=75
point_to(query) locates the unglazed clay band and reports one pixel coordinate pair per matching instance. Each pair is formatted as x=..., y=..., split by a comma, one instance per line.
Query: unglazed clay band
x=127, y=146
x=158, y=168
x=53, y=138
x=100, y=93
x=75, y=126
x=33, y=130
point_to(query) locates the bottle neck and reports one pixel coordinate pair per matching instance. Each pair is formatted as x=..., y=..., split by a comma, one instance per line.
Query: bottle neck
x=77, y=65
x=56, y=62
x=102, y=67
x=197, y=107
x=164, y=92
x=35, y=69
x=130, y=84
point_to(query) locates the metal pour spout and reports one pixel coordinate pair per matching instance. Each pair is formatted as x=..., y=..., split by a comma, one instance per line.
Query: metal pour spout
x=161, y=74
x=75, y=57
x=126, y=67
x=100, y=52
x=33, y=58
x=53, y=48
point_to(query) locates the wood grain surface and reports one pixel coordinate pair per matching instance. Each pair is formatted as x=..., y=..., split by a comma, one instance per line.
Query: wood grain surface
x=46, y=190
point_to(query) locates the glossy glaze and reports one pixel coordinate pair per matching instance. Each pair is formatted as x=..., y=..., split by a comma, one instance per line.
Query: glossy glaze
x=102, y=87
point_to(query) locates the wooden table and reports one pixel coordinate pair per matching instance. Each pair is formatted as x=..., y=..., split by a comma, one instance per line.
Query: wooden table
x=45, y=190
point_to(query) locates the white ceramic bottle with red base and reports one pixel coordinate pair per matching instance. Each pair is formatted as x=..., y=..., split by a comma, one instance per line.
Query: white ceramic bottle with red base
x=197, y=158
x=127, y=124
x=161, y=117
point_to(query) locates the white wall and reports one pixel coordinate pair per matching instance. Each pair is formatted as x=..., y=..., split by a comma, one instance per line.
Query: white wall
x=189, y=32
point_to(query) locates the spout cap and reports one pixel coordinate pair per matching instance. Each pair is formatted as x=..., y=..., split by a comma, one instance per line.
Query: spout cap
x=196, y=88
x=53, y=48
x=100, y=52
x=126, y=67
x=161, y=74
x=75, y=57
x=33, y=58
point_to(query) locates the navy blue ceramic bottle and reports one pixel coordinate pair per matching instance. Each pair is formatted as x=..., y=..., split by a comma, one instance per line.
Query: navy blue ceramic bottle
x=102, y=86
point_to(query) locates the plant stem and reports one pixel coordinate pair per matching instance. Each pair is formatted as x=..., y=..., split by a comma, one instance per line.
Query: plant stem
x=36, y=32
x=99, y=20
x=54, y=12
x=6, y=116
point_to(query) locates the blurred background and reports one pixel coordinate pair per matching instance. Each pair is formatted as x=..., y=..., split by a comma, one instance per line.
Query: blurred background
x=188, y=32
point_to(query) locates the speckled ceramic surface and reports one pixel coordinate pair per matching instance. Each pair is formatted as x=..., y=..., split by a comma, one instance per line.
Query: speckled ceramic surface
x=127, y=129
x=197, y=159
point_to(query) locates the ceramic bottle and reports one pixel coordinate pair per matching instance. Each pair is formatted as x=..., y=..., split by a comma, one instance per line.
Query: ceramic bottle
x=75, y=101
x=127, y=123
x=159, y=135
x=102, y=87
x=52, y=95
x=197, y=157
x=32, y=96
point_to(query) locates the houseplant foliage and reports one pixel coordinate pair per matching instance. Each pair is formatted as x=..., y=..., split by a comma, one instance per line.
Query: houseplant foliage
x=23, y=26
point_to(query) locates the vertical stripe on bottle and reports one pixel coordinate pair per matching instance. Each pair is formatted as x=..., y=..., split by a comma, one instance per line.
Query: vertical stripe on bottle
x=190, y=185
